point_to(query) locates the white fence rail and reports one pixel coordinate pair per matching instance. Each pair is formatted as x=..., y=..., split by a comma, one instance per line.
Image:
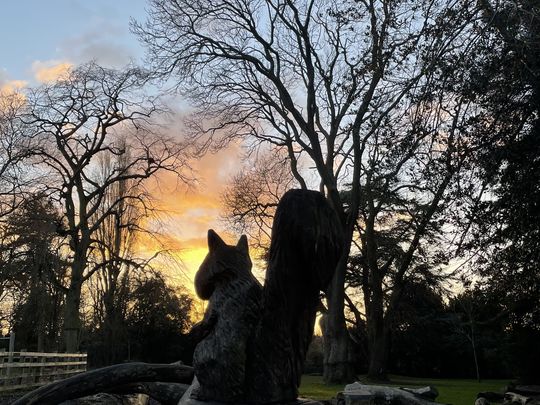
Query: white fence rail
x=22, y=370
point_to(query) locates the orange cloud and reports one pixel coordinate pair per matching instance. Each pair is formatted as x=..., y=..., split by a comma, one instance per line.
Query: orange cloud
x=187, y=212
x=11, y=87
x=11, y=95
x=193, y=209
x=51, y=70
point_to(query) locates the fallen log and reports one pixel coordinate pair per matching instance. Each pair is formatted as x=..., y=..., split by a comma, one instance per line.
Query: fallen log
x=106, y=379
x=514, y=398
x=428, y=392
x=357, y=393
x=165, y=393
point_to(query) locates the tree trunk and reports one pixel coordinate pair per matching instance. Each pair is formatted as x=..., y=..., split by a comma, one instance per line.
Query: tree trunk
x=338, y=367
x=378, y=358
x=378, y=333
x=108, y=326
x=72, y=318
x=40, y=339
x=41, y=322
x=473, y=344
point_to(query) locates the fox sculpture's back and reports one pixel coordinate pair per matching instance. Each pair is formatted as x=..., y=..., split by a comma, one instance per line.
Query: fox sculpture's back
x=254, y=340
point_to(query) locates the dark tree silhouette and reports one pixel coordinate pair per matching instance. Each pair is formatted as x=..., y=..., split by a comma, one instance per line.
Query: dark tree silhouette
x=88, y=114
x=33, y=269
x=335, y=86
x=158, y=317
x=114, y=256
x=15, y=148
x=503, y=240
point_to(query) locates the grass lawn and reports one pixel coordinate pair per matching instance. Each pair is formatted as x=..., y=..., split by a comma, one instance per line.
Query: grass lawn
x=455, y=392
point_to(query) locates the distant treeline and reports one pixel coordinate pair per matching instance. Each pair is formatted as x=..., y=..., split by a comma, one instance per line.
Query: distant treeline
x=437, y=338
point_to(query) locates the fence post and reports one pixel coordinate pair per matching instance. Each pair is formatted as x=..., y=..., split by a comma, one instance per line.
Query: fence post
x=10, y=352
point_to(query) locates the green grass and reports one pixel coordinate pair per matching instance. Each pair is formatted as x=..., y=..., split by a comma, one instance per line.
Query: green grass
x=313, y=387
x=451, y=391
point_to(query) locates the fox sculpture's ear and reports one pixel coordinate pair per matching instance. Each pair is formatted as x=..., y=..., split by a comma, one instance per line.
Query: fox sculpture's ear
x=214, y=241
x=243, y=244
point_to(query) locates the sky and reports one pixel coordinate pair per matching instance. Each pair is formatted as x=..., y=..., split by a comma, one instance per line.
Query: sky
x=40, y=39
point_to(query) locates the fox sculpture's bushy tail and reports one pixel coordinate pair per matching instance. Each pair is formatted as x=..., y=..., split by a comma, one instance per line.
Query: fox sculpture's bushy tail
x=305, y=248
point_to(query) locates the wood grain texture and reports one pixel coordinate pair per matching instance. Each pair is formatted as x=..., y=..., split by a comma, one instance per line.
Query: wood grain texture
x=106, y=379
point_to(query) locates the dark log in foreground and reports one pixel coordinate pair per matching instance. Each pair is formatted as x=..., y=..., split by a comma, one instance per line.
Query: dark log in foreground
x=531, y=390
x=165, y=393
x=106, y=379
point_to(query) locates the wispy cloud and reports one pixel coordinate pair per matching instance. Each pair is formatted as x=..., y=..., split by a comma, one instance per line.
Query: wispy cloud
x=12, y=86
x=106, y=44
x=50, y=70
x=8, y=86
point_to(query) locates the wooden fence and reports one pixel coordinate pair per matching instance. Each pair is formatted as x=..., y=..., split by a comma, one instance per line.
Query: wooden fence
x=22, y=370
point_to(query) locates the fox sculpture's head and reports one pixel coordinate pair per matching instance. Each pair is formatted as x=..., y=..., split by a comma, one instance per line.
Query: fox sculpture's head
x=222, y=264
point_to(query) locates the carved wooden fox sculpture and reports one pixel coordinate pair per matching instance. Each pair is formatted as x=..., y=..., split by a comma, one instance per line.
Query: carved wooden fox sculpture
x=256, y=338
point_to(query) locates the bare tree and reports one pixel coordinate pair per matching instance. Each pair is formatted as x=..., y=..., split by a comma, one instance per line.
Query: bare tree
x=251, y=198
x=114, y=254
x=15, y=147
x=325, y=81
x=91, y=113
x=467, y=326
